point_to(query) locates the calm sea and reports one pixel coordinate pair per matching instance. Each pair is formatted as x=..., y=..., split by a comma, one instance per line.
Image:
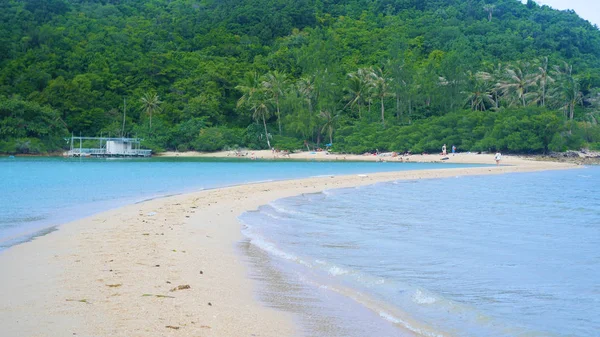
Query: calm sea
x=37, y=194
x=507, y=255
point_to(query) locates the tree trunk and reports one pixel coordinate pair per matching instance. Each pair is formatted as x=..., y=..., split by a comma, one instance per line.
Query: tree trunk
x=409, y=110
x=309, y=126
x=382, y=112
x=571, y=110
x=398, y=112
x=278, y=115
x=330, y=135
x=266, y=132
x=496, y=99
x=543, y=95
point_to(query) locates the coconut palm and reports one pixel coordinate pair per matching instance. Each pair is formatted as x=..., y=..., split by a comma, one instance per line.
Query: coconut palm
x=490, y=9
x=381, y=88
x=253, y=97
x=478, y=98
x=261, y=111
x=306, y=89
x=397, y=74
x=329, y=121
x=355, y=91
x=250, y=87
x=568, y=92
x=543, y=80
x=150, y=104
x=491, y=78
x=517, y=83
x=275, y=83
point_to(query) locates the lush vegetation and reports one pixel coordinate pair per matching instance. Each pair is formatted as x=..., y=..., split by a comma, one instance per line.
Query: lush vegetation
x=361, y=75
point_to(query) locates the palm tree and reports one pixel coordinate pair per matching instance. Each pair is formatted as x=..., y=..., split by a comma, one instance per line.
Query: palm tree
x=491, y=79
x=260, y=106
x=355, y=91
x=366, y=77
x=249, y=87
x=479, y=99
x=569, y=89
x=398, y=74
x=150, y=104
x=253, y=96
x=329, y=121
x=490, y=9
x=275, y=82
x=517, y=83
x=543, y=79
x=381, y=88
x=306, y=90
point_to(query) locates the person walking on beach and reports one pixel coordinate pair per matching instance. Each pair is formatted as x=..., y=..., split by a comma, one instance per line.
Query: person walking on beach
x=453, y=150
x=498, y=157
x=444, y=150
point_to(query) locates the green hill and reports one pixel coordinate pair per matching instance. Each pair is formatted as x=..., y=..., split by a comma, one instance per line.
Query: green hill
x=391, y=75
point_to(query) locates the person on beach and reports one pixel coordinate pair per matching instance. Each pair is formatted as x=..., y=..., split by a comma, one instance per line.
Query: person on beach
x=498, y=157
x=453, y=150
x=444, y=150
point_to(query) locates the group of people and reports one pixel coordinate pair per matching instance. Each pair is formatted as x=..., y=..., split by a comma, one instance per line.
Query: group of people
x=497, y=156
x=444, y=150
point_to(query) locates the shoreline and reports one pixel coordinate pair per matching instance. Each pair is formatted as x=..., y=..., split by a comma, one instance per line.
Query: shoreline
x=112, y=273
x=572, y=157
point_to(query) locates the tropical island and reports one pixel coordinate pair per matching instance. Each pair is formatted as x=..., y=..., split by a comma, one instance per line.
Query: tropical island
x=319, y=244
x=361, y=76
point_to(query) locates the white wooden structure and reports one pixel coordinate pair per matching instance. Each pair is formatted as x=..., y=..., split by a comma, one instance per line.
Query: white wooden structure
x=108, y=147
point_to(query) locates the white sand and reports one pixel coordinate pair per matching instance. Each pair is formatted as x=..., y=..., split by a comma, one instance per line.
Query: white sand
x=462, y=158
x=89, y=277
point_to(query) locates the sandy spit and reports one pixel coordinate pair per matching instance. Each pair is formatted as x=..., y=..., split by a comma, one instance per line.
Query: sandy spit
x=462, y=158
x=167, y=267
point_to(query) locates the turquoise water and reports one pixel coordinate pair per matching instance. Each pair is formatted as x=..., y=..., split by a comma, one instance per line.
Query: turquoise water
x=39, y=193
x=507, y=255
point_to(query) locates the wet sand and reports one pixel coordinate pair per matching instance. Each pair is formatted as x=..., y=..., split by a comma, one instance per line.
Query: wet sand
x=168, y=266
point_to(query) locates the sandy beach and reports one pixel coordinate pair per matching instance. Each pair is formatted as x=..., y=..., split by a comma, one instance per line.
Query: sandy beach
x=458, y=158
x=169, y=266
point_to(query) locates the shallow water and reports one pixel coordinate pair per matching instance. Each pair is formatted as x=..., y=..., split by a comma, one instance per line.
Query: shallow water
x=38, y=193
x=507, y=255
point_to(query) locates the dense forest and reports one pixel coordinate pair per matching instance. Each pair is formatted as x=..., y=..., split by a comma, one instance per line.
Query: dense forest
x=356, y=75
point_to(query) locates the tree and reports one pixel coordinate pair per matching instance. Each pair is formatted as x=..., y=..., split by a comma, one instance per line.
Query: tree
x=329, y=121
x=306, y=89
x=275, y=83
x=366, y=77
x=381, y=88
x=491, y=79
x=479, y=97
x=261, y=109
x=568, y=91
x=254, y=97
x=517, y=83
x=150, y=104
x=489, y=8
x=543, y=79
x=355, y=91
